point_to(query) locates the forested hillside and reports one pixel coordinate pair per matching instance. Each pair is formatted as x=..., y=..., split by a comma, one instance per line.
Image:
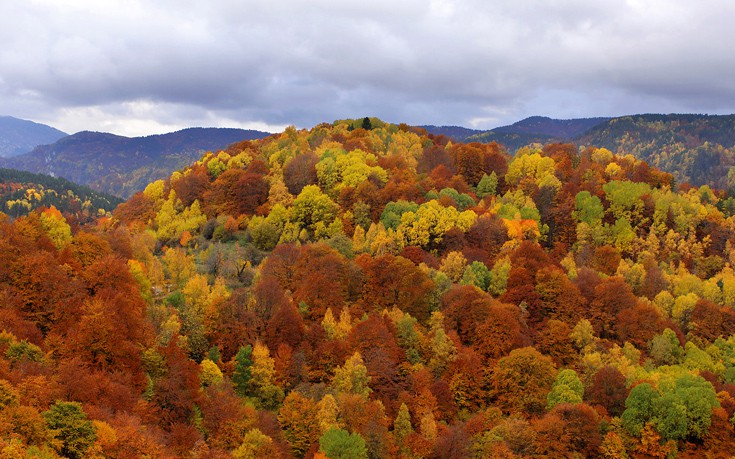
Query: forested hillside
x=367, y=290
x=699, y=149
x=121, y=165
x=23, y=192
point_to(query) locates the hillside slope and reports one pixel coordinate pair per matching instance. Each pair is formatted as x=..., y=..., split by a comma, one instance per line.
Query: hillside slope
x=19, y=136
x=381, y=291
x=699, y=149
x=23, y=192
x=123, y=165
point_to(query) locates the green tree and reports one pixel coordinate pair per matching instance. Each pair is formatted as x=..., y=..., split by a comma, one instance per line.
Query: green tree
x=639, y=408
x=241, y=375
x=75, y=432
x=340, y=444
x=588, y=208
x=488, y=185
x=567, y=388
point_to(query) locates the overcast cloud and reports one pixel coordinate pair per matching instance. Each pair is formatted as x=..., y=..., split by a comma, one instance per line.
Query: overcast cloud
x=150, y=66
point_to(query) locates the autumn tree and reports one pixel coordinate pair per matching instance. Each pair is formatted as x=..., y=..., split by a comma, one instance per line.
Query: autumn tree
x=522, y=380
x=609, y=390
x=298, y=419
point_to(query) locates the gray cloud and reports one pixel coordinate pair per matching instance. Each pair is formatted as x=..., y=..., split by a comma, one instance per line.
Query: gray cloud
x=148, y=66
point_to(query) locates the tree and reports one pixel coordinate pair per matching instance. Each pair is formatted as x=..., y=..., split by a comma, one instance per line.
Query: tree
x=75, y=431
x=262, y=378
x=639, y=408
x=340, y=444
x=300, y=171
x=352, y=378
x=488, y=185
x=56, y=227
x=608, y=390
x=567, y=388
x=502, y=331
x=522, y=380
x=402, y=427
x=210, y=374
x=255, y=444
x=328, y=412
x=242, y=374
x=298, y=419
x=311, y=207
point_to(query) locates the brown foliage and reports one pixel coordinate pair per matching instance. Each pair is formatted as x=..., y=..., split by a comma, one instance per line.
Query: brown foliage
x=300, y=171
x=391, y=281
x=608, y=389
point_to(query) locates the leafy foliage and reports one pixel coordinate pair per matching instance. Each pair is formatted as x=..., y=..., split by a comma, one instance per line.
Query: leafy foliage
x=411, y=306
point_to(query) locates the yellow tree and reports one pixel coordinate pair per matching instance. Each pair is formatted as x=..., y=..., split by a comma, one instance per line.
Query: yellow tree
x=262, y=377
x=352, y=378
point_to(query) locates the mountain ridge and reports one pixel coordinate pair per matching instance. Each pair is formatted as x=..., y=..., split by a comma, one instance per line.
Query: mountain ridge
x=694, y=148
x=18, y=136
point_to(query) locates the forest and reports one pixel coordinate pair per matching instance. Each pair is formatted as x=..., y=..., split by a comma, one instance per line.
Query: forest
x=368, y=290
x=23, y=192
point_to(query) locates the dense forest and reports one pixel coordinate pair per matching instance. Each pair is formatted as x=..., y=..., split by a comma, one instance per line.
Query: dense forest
x=23, y=192
x=368, y=290
x=699, y=149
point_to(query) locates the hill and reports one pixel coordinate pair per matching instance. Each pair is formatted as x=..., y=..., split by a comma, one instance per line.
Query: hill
x=380, y=291
x=23, y=192
x=554, y=128
x=21, y=136
x=123, y=165
x=699, y=149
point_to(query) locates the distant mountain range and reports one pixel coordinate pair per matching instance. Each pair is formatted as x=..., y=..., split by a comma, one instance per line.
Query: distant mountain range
x=539, y=129
x=699, y=149
x=124, y=165
x=20, y=136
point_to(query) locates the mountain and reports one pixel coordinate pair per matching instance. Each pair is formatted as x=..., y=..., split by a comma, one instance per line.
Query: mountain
x=124, y=165
x=559, y=129
x=536, y=129
x=20, y=136
x=699, y=149
x=22, y=192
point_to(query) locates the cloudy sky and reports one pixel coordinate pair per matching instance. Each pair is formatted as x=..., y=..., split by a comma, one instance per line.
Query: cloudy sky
x=138, y=67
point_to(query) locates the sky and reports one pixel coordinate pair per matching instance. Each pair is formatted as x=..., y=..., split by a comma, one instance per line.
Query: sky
x=140, y=67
